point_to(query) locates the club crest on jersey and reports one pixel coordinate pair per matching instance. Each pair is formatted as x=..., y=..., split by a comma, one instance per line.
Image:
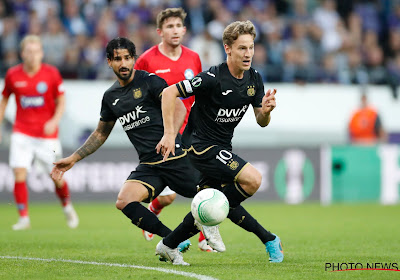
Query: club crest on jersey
x=137, y=93
x=189, y=74
x=41, y=87
x=233, y=165
x=196, y=81
x=251, y=91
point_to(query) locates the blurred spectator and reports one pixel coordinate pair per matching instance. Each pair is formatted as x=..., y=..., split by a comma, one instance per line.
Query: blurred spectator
x=55, y=42
x=260, y=61
x=34, y=24
x=354, y=29
x=327, y=18
x=72, y=20
x=297, y=35
x=92, y=57
x=394, y=74
x=394, y=18
x=45, y=9
x=368, y=12
x=210, y=51
x=11, y=59
x=107, y=27
x=197, y=16
x=71, y=66
x=222, y=18
x=328, y=72
x=393, y=47
x=300, y=10
x=376, y=70
x=352, y=71
x=365, y=126
x=9, y=36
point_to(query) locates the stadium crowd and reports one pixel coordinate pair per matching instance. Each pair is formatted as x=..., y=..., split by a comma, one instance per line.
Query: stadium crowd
x=327, y=41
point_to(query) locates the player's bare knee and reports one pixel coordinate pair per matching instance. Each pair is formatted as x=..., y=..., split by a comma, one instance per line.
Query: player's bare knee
x=120, y=203
x=167, y=199
x=254, y=182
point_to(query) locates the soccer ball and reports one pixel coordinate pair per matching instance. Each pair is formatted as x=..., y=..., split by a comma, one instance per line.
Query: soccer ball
x=210, y=207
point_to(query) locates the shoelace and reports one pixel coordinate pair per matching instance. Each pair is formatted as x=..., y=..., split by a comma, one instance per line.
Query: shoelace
x=213, y=230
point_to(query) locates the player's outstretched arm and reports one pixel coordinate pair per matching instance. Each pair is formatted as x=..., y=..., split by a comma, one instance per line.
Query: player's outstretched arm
x=168, y=102
x=95, y=140
x=180, y=114
x=263, y=114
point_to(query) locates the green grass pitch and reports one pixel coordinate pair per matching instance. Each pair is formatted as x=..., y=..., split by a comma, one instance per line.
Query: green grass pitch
x=107, y=246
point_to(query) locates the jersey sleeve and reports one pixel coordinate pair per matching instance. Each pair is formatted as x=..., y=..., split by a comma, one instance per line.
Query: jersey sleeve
x=201, y=84
x=259, y=94
x=60, y=90
x=156, y=86
x=198, y=64
x=7, y=91
x=106, y=115
x=141, y=64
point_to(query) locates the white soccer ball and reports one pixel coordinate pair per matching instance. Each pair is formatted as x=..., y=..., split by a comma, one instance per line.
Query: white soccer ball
x=210, y=207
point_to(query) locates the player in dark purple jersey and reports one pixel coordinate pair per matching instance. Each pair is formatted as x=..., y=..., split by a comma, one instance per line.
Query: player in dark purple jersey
x=223, y=95
x=135, y=101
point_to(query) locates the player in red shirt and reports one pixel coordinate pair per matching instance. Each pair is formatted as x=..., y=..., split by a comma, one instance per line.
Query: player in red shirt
x=173, y=62
x=39, y=95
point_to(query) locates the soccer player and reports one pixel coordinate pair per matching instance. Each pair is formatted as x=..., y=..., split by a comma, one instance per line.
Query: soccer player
x=173, y=62
x=39, y=94
x=135, y=100
x=223, y=95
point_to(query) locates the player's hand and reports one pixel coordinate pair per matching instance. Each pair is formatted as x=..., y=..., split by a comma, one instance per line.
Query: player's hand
x=61, y=166
x=268, y=101
x=50, y=127
x=166, y=146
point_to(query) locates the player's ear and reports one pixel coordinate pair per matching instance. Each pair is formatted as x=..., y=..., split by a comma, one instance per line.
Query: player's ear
x=227, y=49
x=109, y=62
x=159, y=31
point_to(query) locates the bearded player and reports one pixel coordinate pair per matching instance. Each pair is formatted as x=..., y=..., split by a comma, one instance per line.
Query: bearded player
x=173, y=62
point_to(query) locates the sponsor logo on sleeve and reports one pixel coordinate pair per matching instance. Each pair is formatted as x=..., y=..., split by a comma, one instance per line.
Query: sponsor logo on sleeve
x=196, y=81
x=188, y=87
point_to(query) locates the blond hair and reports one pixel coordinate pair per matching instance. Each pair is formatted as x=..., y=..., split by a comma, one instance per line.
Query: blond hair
x=233, y=30
x=168, y=13
x=30, y=39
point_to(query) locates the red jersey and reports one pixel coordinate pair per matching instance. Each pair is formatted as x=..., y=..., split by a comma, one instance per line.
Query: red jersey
x=35, y=97
x=186, y=67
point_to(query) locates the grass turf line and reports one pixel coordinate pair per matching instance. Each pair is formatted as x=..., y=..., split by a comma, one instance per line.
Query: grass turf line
x=311, y=235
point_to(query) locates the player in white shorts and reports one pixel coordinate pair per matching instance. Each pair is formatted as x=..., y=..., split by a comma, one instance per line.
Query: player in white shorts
x=39, y=96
